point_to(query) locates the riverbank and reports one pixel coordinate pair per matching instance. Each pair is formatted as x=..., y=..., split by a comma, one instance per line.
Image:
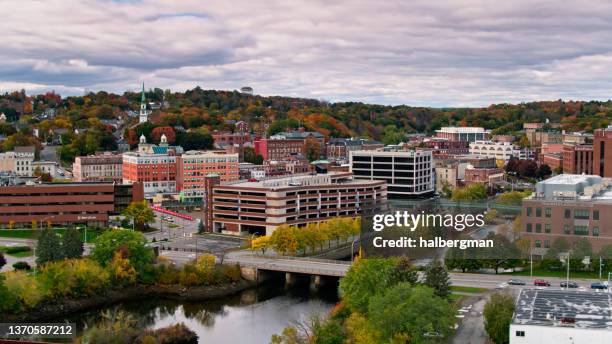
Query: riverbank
x=65, y=307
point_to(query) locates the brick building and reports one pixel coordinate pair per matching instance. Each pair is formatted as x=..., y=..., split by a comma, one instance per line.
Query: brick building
x=65, y=203
x=260, y=207
x=569, y=206
x=193, y=166
x=602, y=152
x=99, y=168
x=577, y=159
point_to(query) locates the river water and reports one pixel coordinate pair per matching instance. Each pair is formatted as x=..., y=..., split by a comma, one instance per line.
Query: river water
x=252, y=316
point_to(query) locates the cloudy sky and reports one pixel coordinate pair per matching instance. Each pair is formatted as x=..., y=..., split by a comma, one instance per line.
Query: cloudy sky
x=434, y=53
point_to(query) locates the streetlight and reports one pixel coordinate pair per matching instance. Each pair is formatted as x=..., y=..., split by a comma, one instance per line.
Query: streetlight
x=353, y=249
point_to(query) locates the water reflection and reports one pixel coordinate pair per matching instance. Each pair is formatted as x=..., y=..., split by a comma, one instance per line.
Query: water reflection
x=251, y=316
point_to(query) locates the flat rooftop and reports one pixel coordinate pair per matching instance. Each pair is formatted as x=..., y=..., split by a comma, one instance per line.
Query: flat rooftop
x=298, y=180
x=575, y=186
x=580, y=309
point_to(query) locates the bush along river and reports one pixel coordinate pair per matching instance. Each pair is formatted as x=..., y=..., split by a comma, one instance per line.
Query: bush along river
x=249, y=316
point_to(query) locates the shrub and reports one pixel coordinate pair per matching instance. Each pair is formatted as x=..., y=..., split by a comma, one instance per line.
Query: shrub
x=8, y=300
x=232, y=273
x=22, y=266
x=131, y=243
x=121, y=271
x=173, y=334
x=74, y=277
x=17, y=249
x=189, y=276
x=168, y=274
x=24, y=287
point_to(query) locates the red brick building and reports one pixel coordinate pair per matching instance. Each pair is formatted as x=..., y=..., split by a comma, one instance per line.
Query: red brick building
x=278, y=149
x=602, y=152
x=224, y=138
x=577, y=159
x=65, y=203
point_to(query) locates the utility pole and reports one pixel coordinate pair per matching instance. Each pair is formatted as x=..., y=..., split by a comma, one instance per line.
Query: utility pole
x=568, y=268
x=531, y=263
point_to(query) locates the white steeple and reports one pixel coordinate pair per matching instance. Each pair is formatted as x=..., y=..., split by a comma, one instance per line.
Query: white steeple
x=143, y=116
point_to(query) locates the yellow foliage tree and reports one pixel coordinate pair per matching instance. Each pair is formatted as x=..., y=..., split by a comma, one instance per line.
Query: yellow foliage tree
x=123, y=272
x=260, y=243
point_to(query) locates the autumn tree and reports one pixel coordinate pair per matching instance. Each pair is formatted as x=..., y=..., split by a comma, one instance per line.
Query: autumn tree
x=157, y=133
x=497, y=317
x=284, y=240
x=312, y=147
x=139, y=213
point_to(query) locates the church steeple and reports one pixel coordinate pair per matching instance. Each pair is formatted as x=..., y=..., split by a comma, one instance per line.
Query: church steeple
x=143, y=116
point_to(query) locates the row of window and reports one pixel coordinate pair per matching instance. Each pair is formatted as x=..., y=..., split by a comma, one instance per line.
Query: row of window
x=567, y=229
x=581, y=214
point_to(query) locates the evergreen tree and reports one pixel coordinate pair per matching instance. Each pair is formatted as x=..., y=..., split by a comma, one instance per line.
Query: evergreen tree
x=72, y=243
x=49, y=247
x=403, y=271
x=437, y=277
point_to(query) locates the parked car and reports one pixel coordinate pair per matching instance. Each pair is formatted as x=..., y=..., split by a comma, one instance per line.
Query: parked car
x=570, y=284
x=541, y=283
x=599, y=285
x=515, y=281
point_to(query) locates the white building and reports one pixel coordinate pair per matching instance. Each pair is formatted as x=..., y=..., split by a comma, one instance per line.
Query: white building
x=499, y=150
x=18, y=161
x=561, y=316
x=407, y=173
x=469, y=134
x=49, y=167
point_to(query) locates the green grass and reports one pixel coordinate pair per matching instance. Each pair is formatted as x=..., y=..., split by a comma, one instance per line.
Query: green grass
x=22, y=254
x=538, y=272
x=92, y=233
x=17, y=233
x=463, y=289
x=456, y=298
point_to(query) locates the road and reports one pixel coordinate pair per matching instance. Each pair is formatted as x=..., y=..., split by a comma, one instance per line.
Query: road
x=472, y=329
x=178, y=227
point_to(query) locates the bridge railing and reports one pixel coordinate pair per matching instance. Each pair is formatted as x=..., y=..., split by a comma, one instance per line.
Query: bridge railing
x=292, y=269
x=302, y=259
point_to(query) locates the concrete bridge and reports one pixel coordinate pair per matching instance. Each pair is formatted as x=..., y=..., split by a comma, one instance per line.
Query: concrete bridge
x=258, y=268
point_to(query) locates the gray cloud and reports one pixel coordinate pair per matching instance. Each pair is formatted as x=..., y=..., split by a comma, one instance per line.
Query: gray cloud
x=457, y=53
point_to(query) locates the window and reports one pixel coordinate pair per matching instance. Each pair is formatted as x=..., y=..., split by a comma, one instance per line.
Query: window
x=538, y=228
x=582, y=214
x=547, y=212
x=566, y=229
x=520, y=333
x=595, y=231
x=568, y=213
x=538, y=212
x=529, y=228
x=581, y=230
x=547, y=228
x=546, y=243
x=595, y=214
x=538, y=243
x=528, y=211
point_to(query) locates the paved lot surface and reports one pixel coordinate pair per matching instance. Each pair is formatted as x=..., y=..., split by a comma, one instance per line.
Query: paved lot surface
x=471, y=330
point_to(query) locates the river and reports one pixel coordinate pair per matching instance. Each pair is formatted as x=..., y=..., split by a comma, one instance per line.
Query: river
x=252, y=316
